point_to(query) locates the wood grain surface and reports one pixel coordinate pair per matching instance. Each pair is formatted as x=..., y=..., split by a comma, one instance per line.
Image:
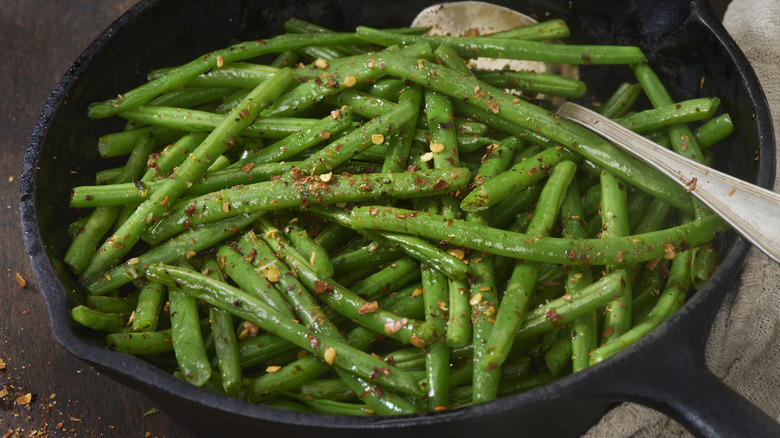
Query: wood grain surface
x=38, y=41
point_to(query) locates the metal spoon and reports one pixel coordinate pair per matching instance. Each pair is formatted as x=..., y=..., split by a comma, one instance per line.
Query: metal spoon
x=752, y=211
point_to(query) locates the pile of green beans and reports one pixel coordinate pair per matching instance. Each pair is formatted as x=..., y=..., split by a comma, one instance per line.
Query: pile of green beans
x=361, y=224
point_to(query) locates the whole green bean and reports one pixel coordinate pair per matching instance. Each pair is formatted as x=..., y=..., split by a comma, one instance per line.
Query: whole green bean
x=148, y=343
x=630, y=249
x=187, y=338
x=304, y=192
x=147, y=311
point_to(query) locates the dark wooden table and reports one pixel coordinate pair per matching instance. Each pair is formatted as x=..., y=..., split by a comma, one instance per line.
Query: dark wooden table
x=38, y=41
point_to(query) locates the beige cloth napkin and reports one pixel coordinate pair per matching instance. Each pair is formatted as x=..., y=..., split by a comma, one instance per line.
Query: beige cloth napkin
x=744, y=345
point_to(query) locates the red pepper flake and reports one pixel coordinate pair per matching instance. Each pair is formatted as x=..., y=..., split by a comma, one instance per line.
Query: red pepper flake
x=368, y=308
x=731, y=193
x=324, y=135
x=419, y=181
x=441, y=185
x=314, y=342
x=533, y=171
x=373, y=211
x=88, y=197
x=701, y=83
x=553, y=316
x=22, y=283
x=297, y=174
x=585, y=57
x=164, y=202
x=607, y=332
x=492, y=105
x=684, y=146
x=379, y=372
x=406, y=215
x=320, y=287
x=247, y=167
x=691, y=185
x=395, y=325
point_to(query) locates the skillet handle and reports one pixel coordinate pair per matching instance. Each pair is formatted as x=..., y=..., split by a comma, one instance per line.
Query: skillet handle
x=710, y=408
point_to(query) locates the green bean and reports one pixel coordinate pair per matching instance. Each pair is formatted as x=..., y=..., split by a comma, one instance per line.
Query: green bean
x=119, y=194
x=147, y=343
x=319, y=259
x=584, y=337
x=187, y=338
x=614, y=216
x=285, y=59
x=183, y=74
x=100, y=321
x=375, y=398
x=632, y=249
x=545, y=30
x=165, y=161
x=226, y=349
x=559, y=355
x=516, y=296
x=107, y=304
x=505, y=48
x=713, y=131
x=243, y=273
x=362, y=104
x=400, y=144
x=327, y=389
x=621, y=101
x=169, y=252
x=201, y=158
x=370, y=255
x=437, y=361
x=122, y=143
x=188, y=120
x=543, y=83
x=191, y=97
x=331, y=407
x=427, y=254
x=245, y=306
x=398, y=274
x=387, y=88
x=674, y=113
x=332, y=236
x=147, y=311
x=303, y=191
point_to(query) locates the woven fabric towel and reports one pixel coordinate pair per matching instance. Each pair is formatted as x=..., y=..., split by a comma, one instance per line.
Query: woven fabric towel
x=744, y=345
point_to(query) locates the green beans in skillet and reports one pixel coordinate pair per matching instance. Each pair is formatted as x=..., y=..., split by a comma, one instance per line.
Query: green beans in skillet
x=385, y=231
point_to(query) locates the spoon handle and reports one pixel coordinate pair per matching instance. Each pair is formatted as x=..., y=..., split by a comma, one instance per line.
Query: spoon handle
x=752, y=211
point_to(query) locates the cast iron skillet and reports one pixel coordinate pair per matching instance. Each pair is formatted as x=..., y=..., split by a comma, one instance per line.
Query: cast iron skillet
x=665, y=370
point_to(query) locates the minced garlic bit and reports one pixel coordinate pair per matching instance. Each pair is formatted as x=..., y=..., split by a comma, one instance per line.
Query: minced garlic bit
x=2, y=364
x=476, y=299
x=340, y=204
x=321, y=63
x=377, y=139
x=133, y=261
x=437, y=147
x=226, y=207
x=190, y=254
x=457, y=253
x=271, y=234
x=301, y=354
x=325, y=177
x=19, y=279
x=330, y=355
x=417, y=292
x=313, y=258
x=273, y=369
x=417, y=341
x=272, y=274
x=350, y=81
x=220, y=61
x=426, y=157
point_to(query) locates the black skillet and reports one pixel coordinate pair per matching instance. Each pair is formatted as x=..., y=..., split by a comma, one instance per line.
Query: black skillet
x=665, y=370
